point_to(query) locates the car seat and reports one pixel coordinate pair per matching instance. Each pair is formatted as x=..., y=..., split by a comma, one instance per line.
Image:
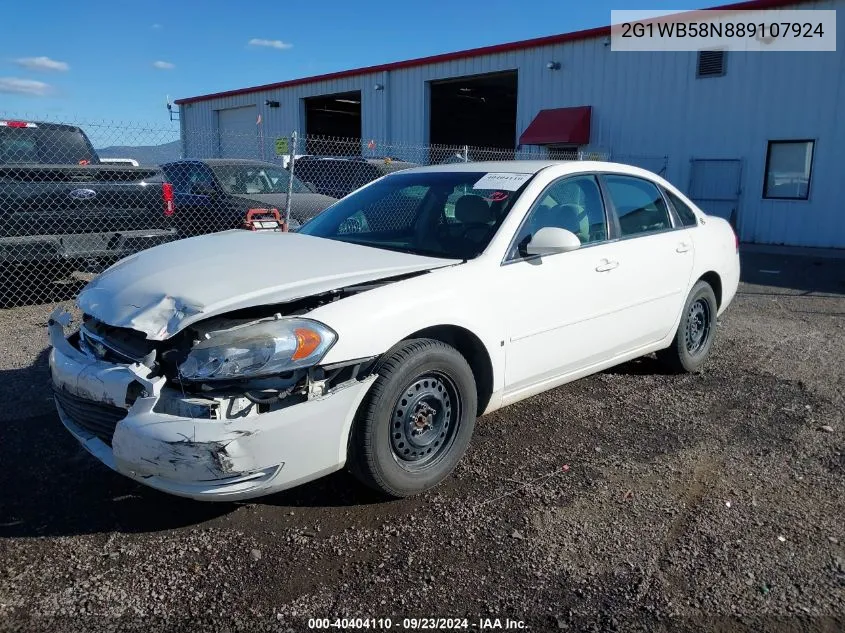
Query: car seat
x=473, y=219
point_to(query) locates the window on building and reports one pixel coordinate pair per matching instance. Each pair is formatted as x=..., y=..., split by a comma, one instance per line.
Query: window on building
x=789, y=165
x=639, y=205
x=683, y=210
x=710, y=64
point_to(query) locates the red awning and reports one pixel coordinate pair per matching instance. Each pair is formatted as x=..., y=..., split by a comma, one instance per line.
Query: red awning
x=566, y=126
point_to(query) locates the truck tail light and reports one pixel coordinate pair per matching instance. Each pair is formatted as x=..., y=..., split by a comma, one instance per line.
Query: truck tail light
x=167, y=197
x=17, y=124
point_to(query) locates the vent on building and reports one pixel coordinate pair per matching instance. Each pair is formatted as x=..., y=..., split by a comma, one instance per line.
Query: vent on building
x=711, y=64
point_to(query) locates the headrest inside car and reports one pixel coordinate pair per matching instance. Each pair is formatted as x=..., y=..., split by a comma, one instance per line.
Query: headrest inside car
x=473, y=209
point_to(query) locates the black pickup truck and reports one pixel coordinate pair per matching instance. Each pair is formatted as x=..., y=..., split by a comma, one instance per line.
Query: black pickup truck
x=62, y=209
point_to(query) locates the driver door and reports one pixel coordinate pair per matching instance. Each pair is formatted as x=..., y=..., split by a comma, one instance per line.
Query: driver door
x=558, y=307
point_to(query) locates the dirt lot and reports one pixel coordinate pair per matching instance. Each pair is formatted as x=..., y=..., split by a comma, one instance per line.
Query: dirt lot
x=629, y=501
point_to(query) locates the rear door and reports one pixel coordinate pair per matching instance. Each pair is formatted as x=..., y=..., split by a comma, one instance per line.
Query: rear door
x=653, y=260
x=201, y=204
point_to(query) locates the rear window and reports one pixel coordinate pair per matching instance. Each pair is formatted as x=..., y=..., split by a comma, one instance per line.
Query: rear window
x=686, y=214
x=346, y=175
x=45, y=146
x=252, y=179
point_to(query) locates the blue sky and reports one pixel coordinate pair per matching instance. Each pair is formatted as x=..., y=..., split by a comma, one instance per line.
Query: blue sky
x=116, y=60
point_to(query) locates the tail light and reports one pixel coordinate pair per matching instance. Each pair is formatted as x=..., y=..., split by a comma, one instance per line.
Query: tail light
x=17, y=124
x=167, y=197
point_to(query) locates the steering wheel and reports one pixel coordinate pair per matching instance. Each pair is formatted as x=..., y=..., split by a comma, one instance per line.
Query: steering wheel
x=463, y=236
x=350, y=225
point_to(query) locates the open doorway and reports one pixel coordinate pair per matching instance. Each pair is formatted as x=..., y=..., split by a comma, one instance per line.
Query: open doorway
x=477, y=110
x=333, y=124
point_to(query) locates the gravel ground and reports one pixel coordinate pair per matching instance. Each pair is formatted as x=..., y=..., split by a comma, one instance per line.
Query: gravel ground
x=627, y=501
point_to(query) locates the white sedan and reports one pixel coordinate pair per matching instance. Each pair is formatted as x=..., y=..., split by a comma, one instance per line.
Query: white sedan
x=237, y=364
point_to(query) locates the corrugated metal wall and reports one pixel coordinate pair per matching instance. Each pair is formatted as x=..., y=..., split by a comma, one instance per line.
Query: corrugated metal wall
x=644, y=105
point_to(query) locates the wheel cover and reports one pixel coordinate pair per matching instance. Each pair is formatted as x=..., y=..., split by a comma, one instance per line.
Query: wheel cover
x=424, y=421
x=698, y=326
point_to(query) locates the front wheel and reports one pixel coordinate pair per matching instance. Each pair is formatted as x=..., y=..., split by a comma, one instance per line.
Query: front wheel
x=417, y=420
x=694, y=338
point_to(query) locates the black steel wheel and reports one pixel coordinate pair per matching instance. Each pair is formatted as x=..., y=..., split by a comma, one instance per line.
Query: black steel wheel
x=425, y=421
x=698, y=323
x=417, y=420
x=696, y=331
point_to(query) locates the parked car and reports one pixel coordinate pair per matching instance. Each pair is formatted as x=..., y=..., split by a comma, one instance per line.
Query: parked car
x=286, y=159
x=215, y=194
x=62, y=206
x=338, y=176
x=234, y=365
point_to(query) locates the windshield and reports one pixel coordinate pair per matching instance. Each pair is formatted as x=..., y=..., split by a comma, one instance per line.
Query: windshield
x=256, y=179
x=451, y=214
x=44, y=146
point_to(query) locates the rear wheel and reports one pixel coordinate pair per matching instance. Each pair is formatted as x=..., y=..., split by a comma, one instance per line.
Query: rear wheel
x=694, y=338
x=417, y=420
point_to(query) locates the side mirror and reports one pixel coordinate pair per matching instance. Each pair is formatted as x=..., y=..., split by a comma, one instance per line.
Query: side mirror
x=550, y=240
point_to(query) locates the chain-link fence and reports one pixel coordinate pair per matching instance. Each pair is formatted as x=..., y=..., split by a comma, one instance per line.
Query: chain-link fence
x=78, y=196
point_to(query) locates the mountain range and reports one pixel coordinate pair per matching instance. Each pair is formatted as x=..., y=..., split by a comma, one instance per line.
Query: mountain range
x=144, y=154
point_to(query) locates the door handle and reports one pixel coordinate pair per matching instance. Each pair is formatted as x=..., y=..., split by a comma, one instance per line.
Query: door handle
x=683, y=247
x=606, y=265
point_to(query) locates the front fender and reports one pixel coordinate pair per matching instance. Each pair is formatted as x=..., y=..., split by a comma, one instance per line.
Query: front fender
x=370, y=323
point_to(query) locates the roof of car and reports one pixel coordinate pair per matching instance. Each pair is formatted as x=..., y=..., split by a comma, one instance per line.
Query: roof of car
x=231, y=161
x=530, y=166
x=358, y=159
x=517, y=166
x=513, y=166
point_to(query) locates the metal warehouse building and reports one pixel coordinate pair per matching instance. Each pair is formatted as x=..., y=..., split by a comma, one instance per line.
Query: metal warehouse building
x=757, y=137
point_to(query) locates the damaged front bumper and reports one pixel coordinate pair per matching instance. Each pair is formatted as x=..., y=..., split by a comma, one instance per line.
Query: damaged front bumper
x=241, y=454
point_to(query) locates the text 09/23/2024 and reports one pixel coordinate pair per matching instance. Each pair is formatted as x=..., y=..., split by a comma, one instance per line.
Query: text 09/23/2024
x=416, y=624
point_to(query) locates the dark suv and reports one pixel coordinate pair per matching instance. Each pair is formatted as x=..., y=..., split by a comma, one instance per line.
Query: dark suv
x=215, y=194
x=338, y=176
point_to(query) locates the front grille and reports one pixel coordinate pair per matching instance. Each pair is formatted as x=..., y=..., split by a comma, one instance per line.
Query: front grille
x=95, y=417
x=113, y=344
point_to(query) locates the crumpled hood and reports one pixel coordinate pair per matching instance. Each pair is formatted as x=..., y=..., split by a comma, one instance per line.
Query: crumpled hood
x=164, y=289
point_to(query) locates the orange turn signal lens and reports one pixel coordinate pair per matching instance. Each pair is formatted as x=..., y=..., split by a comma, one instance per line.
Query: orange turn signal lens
x=306, y=342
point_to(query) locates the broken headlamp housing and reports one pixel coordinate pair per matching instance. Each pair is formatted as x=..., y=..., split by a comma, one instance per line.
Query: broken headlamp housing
x=258, y=349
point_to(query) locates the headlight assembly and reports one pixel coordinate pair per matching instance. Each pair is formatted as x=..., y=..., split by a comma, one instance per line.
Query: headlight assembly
x=260, y=349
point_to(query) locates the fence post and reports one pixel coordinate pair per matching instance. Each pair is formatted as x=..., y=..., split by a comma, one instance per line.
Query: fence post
x=291, y=162
x=466, y=153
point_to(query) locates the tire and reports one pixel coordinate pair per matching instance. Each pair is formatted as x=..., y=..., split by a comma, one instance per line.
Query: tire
x=694, y=339
x=417, y=420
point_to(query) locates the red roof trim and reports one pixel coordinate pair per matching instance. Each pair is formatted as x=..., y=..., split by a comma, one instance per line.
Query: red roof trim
x=565, y=126
x=473, y=52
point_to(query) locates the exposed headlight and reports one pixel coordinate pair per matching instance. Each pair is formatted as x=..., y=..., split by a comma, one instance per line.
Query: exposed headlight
x=261, y=349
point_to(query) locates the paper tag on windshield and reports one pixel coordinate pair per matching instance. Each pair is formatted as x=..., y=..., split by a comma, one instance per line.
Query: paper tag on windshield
x=506, y=181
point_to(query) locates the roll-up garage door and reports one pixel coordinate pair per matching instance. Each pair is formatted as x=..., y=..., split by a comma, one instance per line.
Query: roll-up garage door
x=237, y=131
